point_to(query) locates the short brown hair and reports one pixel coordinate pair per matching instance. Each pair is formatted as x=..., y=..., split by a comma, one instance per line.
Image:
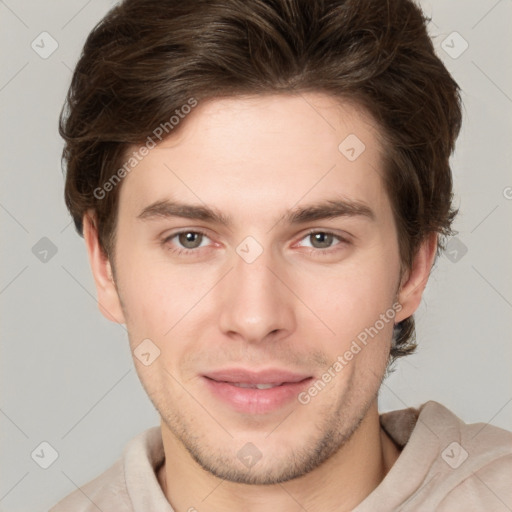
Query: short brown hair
x=147, y=58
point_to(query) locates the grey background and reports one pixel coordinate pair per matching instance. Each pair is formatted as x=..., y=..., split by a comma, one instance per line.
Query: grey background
x=67, y=375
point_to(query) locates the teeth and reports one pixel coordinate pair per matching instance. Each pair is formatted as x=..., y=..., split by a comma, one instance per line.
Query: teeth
x=266, y=386
x=255, y=386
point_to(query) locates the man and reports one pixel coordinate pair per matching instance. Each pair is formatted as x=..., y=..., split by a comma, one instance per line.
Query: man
x=263, y=187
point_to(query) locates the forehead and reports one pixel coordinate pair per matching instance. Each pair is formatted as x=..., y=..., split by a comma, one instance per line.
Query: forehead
x=273, y=150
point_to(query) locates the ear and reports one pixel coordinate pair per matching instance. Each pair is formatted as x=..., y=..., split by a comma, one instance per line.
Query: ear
x=414, y=281
x=108, y=299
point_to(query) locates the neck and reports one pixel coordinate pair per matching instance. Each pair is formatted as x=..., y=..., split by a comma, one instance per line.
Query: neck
x=340, y=483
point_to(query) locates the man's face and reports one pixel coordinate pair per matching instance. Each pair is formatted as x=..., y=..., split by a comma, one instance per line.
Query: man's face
x=265, y=296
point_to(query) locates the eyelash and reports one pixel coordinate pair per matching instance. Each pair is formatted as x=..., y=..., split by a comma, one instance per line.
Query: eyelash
x=313, y=251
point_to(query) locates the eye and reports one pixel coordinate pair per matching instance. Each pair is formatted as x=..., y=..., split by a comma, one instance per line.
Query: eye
x=323, y=240
x=186, y=241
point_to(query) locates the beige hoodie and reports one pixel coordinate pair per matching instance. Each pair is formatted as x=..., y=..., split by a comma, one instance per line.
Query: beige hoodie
x=445, y=466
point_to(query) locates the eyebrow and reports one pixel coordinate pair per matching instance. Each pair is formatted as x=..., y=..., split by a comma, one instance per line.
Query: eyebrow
x=328, y=209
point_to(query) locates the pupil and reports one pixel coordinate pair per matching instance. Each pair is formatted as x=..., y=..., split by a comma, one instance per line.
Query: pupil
x=190, y=240
x=323, y=239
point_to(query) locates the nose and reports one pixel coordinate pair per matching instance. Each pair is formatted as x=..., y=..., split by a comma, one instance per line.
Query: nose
x=255, y=303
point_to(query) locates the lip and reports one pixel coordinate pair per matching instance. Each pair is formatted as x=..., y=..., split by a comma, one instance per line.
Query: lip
x=220, y=383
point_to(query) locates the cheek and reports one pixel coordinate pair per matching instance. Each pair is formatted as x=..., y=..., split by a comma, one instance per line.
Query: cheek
x=169, y=306
x=354, y=297
x=157, y=306
x=153, y=298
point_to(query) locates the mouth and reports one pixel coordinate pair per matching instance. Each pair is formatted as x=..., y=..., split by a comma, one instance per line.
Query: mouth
x=255, y=392
x=254, y=386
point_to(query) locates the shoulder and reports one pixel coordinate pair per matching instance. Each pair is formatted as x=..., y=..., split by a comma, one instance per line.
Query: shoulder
x=478, y=443
x=435, y=423
x=445, y=463
x=472, y=465
x=114, y=488
x=477, y=461
x=488, y=488
x=106, y=491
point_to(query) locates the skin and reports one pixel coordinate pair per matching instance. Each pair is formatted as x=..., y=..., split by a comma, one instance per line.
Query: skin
x=298, y=306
